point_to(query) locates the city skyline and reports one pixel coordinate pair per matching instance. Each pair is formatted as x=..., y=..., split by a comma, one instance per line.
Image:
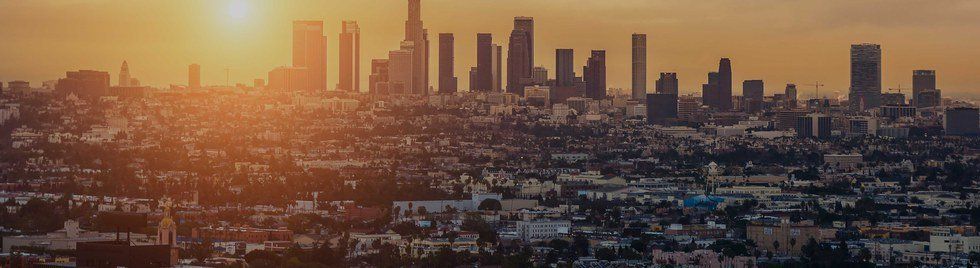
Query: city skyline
x=257, y=30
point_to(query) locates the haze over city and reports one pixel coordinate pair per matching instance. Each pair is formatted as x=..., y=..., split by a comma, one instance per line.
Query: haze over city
x=778, y=41
x=479, y=133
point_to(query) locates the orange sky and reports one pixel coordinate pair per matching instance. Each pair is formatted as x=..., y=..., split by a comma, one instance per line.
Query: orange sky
x=779, y=41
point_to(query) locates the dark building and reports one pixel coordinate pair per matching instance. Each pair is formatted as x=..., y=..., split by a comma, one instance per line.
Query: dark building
x=753, y=92
x=594, y=74
x=474, y=72
x=418, y=36
x=786, y=119
x=724, y=88
x=84, y=83
x=892, y=99
x=813, y=125
x=484, y=62
x=310, y=52
x=865, y=92
x=639, y=90
x=962, y=121
x=378, y=80
x=709, y=92
x=661, y=108
x=667, y=83
x=447, y=80
x=790, y=95
x=924, y=91
x=896, y=111
x=564, y=67
x=519, y=51
x=350, y=57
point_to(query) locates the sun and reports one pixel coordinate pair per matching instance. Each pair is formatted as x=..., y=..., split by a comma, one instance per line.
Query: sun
x=238, y=9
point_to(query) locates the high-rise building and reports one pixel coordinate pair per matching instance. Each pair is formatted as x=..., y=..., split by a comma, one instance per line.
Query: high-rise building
x=401, y=69
x=539, y=76
x=518, y=60
x=594, y=74
x=667, y=83
x=310, y=52
x=724, y=89
x=790, y=95
x=661, y=108
x=194, y=76
x=484, y=62
x=709, y=92
x=474, y=73
x=753, y=92
x=640, y=67
x=447, y=58
x=865, y=92
x=924, y=91
x=378, y=80
x=124, y=77
x=350, y=57
x=962, y=121
x=289, y=79
x=526, y=24
x=418, y=36
x=564, y=67
x=813, y=125
x=496, y=68
x=84, y=83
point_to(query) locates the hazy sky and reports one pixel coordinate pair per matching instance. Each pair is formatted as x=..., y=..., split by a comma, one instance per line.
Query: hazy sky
x=779, y=41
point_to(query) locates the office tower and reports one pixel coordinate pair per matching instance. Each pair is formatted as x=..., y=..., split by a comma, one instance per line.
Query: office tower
x=724, y=89
x=447, y=50
x=496, y=68
x=520, y=55
x=640, y=66
x=539, y=76
x=594, y=74
x=790, y=93
x=484, y=62
x=687, y=107
x=962, y=121
x=350, y=57
x=418, y=36
x=84, y=83
x=564, y=67
x=709, y=92
x=310, y=52
x=124, y=77
x=401, y=69
x=924, y=91
x=865, y=92
x=474, y=73
x=194, y=76
x=289, y=79
x=526, y=24
x=378, y=80
x=861, y=126
x=753, y=92
x=813, y=125
x=661, y=108
x=667, y=83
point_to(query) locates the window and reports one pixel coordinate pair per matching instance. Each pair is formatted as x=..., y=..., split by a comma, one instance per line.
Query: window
x=767, y=231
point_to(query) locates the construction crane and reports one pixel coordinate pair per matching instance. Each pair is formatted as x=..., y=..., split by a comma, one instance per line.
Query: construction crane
x=816, y=86
x=899, y=88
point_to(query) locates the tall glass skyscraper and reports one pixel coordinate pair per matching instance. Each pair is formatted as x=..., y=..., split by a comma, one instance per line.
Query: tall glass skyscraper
x=865, y=92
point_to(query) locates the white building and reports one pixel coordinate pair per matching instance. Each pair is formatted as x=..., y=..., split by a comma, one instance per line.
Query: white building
x=543, y=230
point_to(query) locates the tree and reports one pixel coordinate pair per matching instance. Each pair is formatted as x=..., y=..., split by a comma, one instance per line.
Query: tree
x=490, y=204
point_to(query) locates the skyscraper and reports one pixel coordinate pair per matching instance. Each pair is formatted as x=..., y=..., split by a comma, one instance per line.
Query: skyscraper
x=639, y=66
x=595, y=75
x=753, y=92
x=526, y=24
x=813, y=125
x=378, y=80
x=350, y=57
x=865, y=92
x=310, y=52
x=484, y=62
x=418, y=36
x=124, y=77
x=447, y=81
x=401, y=69
x=518, y=61
x=709, y=91
x=924, y=92
x=724, y=89
x=496, y=68
x=564, y=67
x=667, y=83
x=194, y=76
